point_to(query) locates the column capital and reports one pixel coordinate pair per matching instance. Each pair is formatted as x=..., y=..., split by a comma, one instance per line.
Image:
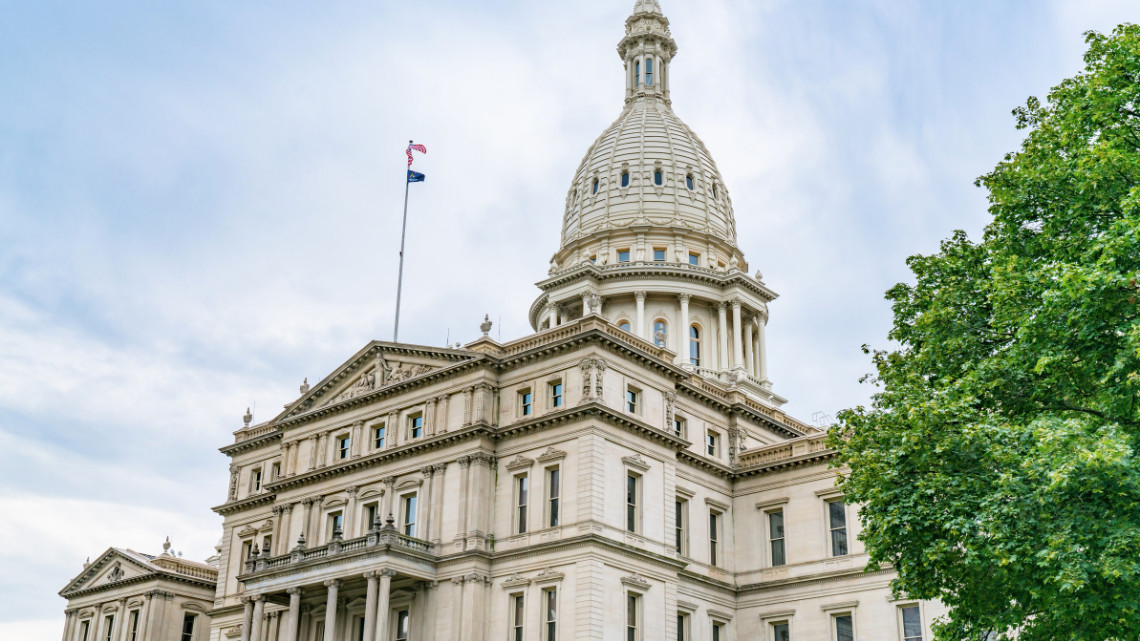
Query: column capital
x=721, y=306
x=388, y=572
x=439, y=468
x=332, y=583
x=735, y=304
x=684, y=298
x=351, y=490
x=372, y=575
x=640, y=295
x=427, y=471
x=297, y=590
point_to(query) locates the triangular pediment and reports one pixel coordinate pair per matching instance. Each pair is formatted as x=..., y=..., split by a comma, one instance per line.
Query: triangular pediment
x=377, y=366
x=113, y=566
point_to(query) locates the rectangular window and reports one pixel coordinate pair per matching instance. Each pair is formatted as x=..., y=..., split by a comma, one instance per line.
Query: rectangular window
x=109, y=624
x=416, y=425
x=526, y=403
x=780, y=632
x=712, y=443
x=844, y=627
x=623, y=255
x=837, y=523
x=246, y=550
x=717, y=631
x=553, y=495
x=556, y=395
x=776, y=537
x=187, y=628
x=679, y=426
x=336, y=524
x=649, y=72
x=275, y=472
x=410, y=515
x=255, y=480
x=632, y=610
x=694, y=259
x=522, y=492
x=911, y=623
x=84, y=630
x=379, y=435
x=402, y=621
x=371, y=511
x=659, y=255
x=680, y=519
x=714, y=538
x=631, y=502
x=518, y=615
x=683, y=627
x=320, y=635
x=342, y=446
x=550, y=600
x=360, y=629
x=631, y=400
x=133, y=628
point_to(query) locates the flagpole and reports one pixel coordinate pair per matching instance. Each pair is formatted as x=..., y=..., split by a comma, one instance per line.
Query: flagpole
x=400, y=278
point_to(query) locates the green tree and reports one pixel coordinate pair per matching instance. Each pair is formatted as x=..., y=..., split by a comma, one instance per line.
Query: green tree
x=997, y=466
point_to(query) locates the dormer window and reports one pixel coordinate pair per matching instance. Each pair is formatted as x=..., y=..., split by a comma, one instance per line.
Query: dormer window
x=688, y=182
x=625, y=179
x=657, y=177
x=596, y=186
x=649, y=73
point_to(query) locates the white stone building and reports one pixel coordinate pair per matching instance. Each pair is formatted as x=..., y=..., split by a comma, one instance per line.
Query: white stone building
x=624, y=473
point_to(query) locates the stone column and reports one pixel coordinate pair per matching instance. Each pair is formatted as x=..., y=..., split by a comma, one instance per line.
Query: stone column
x=314, y=440
x=429, y=417
x=286, y=528
x=383, y=603
x=442, y=407
x=437, y=504
x=68, y=623
x=246, y=618
x=585, y=304
x=389, y=492
x=307, y=508
x=639, y=329
x=124, y=619
x=258, y=614
x=357, y=439
x=427, y=504
x=761, y=349
x=370, y=605
x=350, y=513
x=683, y=329
x=465, y=493
x=467, y=393
x=737, y=348
x=749, y=354
x=330, y=609
x=292, y=625
x=722, y=337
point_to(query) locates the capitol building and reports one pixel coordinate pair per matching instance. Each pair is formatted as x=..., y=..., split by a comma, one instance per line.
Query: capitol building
x=623, y=473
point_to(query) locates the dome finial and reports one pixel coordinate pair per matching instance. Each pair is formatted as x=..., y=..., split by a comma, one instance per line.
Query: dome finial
x=646, y=6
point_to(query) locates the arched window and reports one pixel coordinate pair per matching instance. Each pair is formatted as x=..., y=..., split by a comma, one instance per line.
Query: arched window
x=625, y=179
x=695, y=346
x=637, y=73
x=595, y=185
x=624, y=326
x=660, y=332
x=649, y=72
x=688, y=182
x=657, y=177
x=715, y=197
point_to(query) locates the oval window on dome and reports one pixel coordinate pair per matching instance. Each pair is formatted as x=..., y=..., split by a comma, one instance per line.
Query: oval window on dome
x=625, y=179
x=689, y=182
x=657, y=177
x=595, y=186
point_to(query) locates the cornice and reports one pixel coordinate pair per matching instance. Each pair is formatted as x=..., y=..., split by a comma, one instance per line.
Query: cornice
x=705, y=464
x=656, y=270
x=142, y=578
x=777, y=466
x=817, y=579
x=253, y=443
x=243, y=504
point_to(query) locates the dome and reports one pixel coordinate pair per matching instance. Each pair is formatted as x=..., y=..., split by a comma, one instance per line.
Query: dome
x=647, y=169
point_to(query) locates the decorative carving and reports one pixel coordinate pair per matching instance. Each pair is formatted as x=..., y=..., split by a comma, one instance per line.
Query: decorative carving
x=439, y=468
x=248, y=417
x=519, y=463
x=485, y=326
x=247, y=531
x=670, y=409
x=551, y=454
x=635, y=580
x=515, y=581
x=636, y=462
x=116, y=573
x=427, y=471
x=304, y=386
x=548, y=575
x=233, y=482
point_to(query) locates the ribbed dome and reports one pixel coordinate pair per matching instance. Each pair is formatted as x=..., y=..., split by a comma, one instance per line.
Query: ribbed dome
x=648, y=169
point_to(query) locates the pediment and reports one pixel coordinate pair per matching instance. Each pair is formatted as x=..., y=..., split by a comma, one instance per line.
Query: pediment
x=375, y=367
x=112, y=567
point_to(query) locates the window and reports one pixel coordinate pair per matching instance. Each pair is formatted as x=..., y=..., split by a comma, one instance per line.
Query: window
x=717, y=631
x=660, y=333
x=84, y=630
x=679, y=426
x=521, y=492
x=275, y=472
x=410, y=515
x=658, y=178
x=379, y=436
x=133, y=628
x=187, y=627
x=683, y=627
x=649, y=72
x=714, y=538
x=594, y=258
x=844, y=627
x=255, y=480
x=550, y=601
x=624, y=326
x=689, y=184
x=402, y=625
x=360, y=629
x=342, y=446
x=623, y=254
x=526, y=402
x=595, y=185
x=694, y=346
x=553, y=495
x=776, y=537
x=556, y=394
x=246, y=550
x=320, y=630
x=625, y=179
x=632, y=611
x=631, y=483
x=911, y=621
x=780, y=632
x=714, y=192
x=632, y=398
x=517, y=617
x=371, y=511
x=109, y=625
x=636, y=73
x=266, y=544
x=658, y=254
x=336, y=524
x=694, y=259
x=416, y=425
x=680, y=524
x=712, y=443
x=837, y=524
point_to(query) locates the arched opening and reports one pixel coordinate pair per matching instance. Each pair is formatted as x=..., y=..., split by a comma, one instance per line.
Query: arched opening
x=595, y=185
x=624, y=325
x=660, y=332
x=695, y=346
x=688, y=182
x=657, y=177
x=625, y=179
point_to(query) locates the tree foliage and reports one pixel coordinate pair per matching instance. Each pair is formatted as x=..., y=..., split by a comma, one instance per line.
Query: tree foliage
x=997, y=467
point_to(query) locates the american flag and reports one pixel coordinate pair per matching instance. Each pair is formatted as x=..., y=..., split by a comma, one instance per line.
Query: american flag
x=411, y=148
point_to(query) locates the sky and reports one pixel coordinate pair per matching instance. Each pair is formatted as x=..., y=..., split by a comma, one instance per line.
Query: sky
x=200, y=206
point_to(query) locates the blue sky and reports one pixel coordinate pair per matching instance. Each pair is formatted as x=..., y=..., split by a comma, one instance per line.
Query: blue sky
x=199, y=206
